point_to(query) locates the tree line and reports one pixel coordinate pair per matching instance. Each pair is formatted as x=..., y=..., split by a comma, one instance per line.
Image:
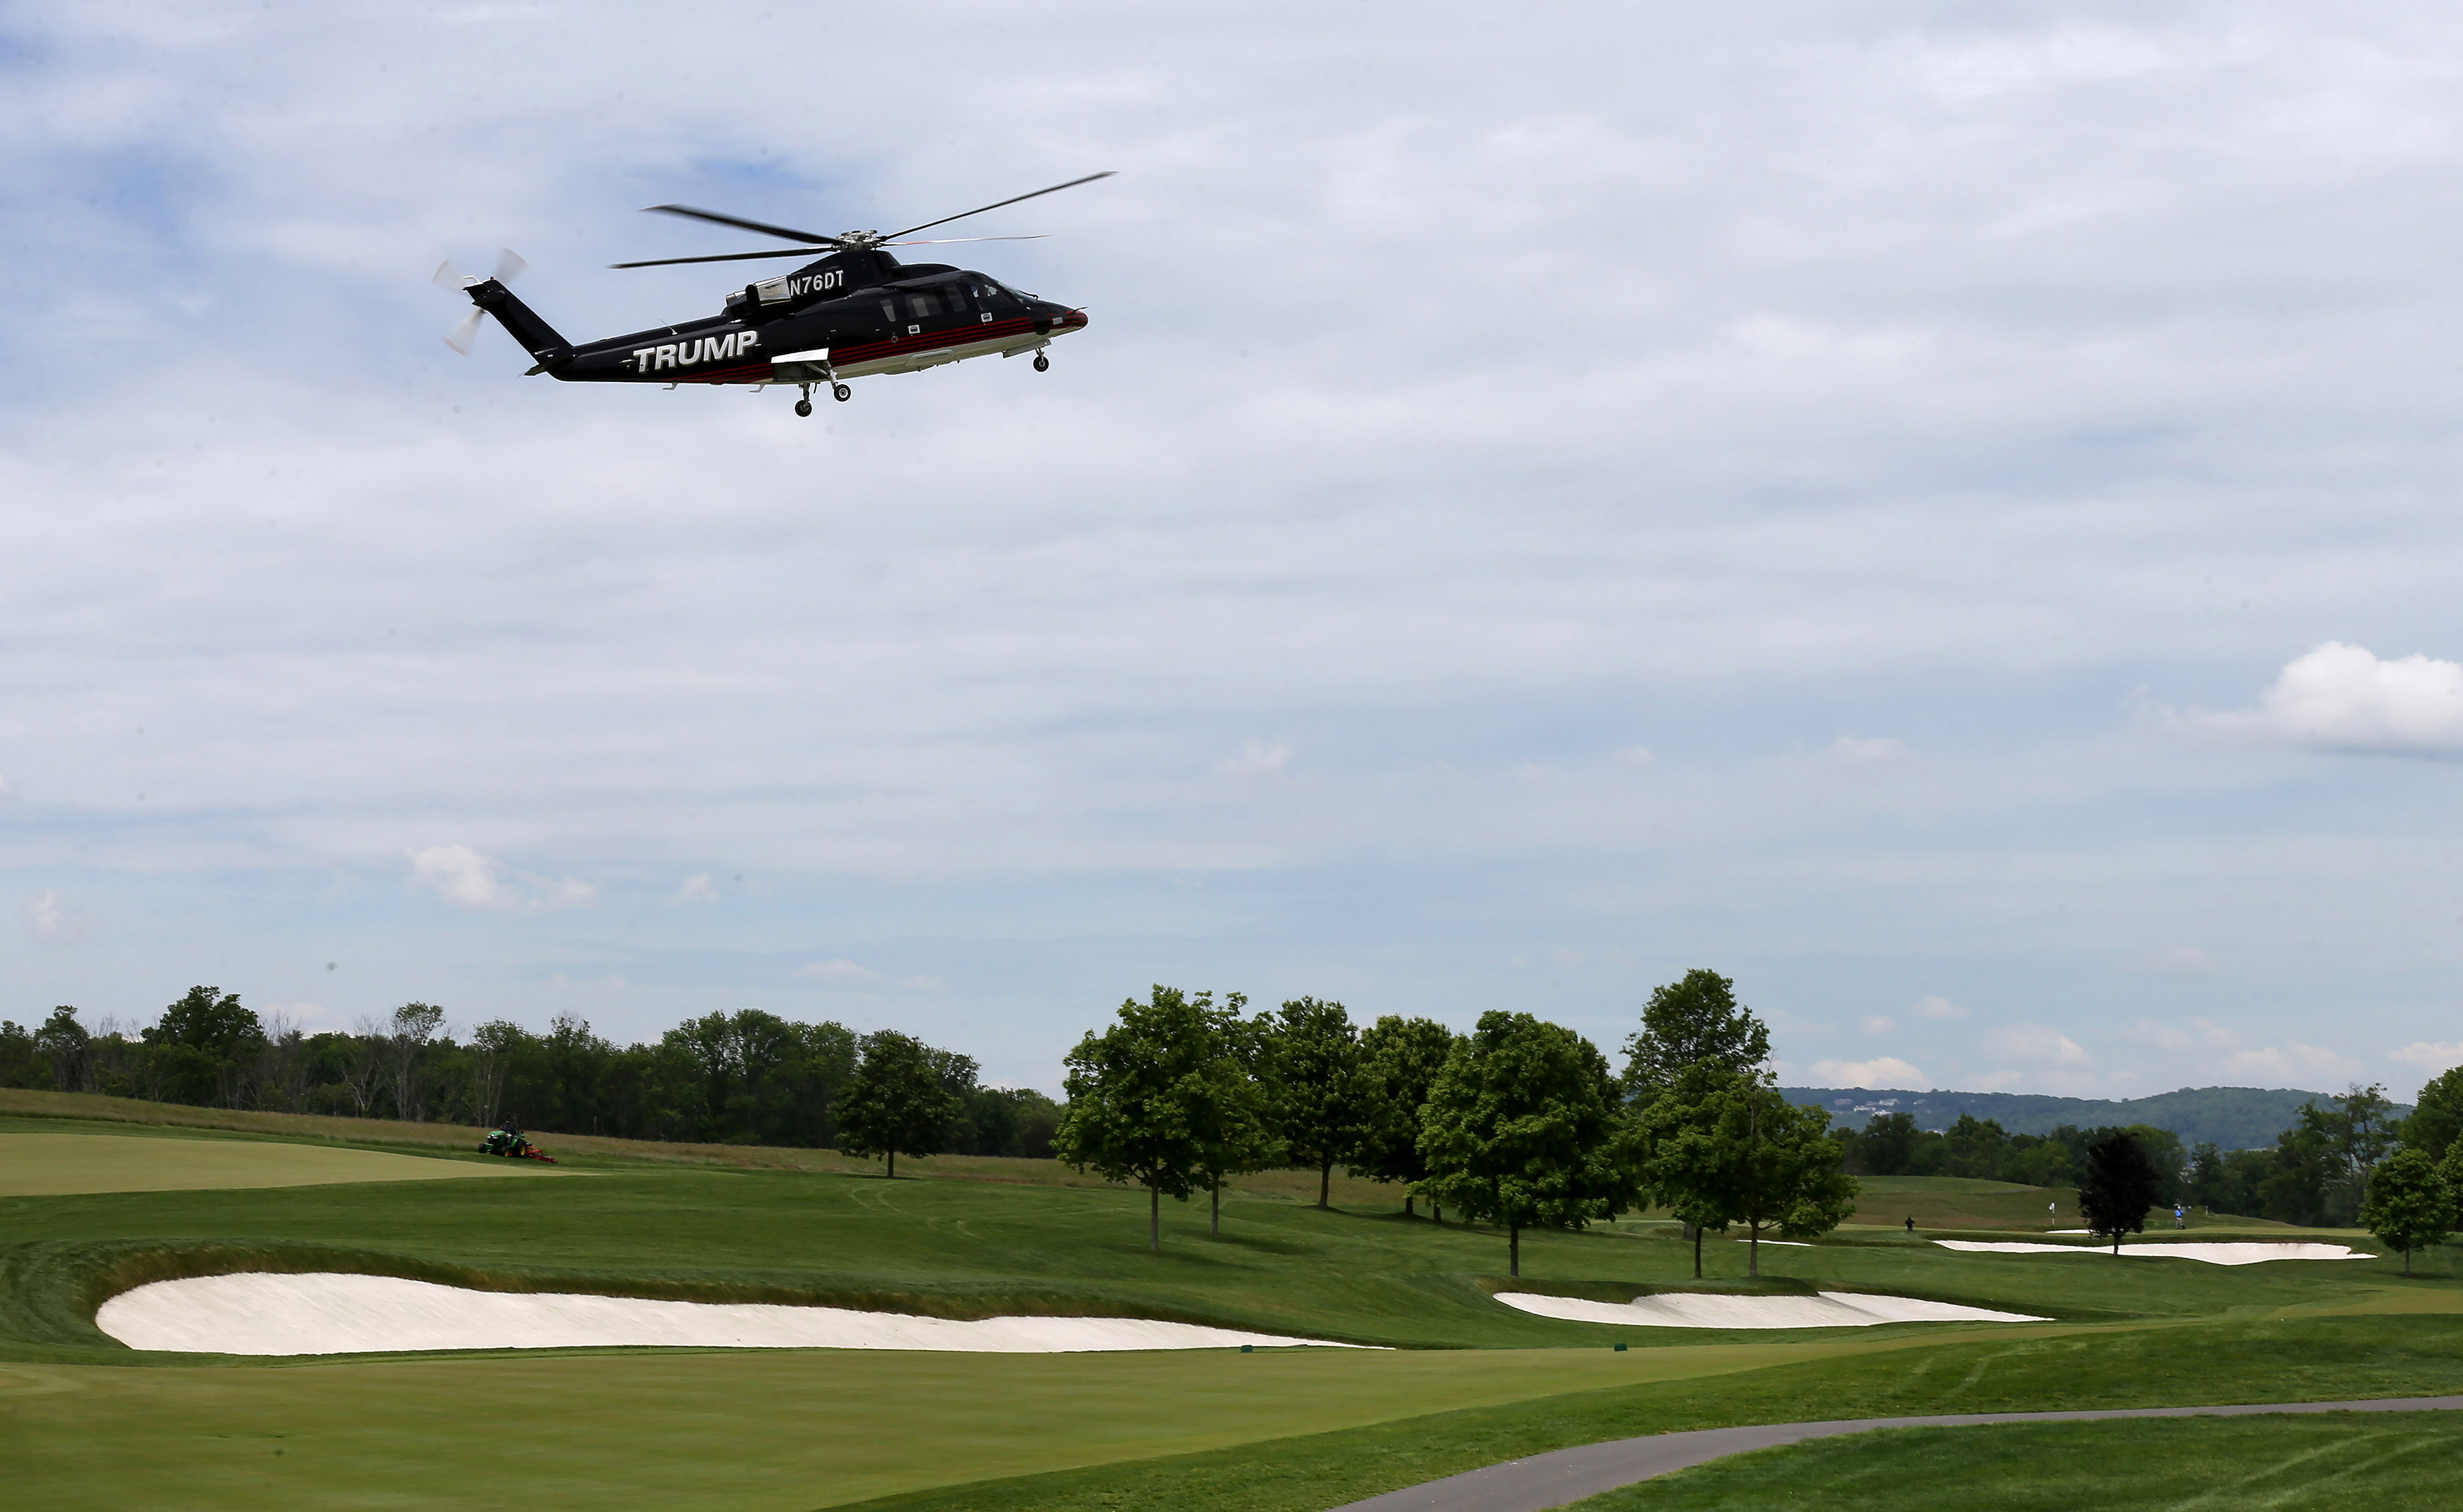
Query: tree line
x=747, y=1077
x=1519, y=1123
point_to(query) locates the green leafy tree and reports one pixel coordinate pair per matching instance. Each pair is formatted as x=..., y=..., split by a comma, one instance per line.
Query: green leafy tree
x=1520, y=1130
x=898, y=1102
x=1400, y=1059
x=1694, y=1019
x=1321, y=1101
x=64, y=1042
x=1146, y=1094
x=207, y=1018
x=1680, y=1161
x=2409, y=1206
x=1236, y=1124
x=1721, y=1146
x=2121, y=1184
x=198, y=1045
x=2437, y=1119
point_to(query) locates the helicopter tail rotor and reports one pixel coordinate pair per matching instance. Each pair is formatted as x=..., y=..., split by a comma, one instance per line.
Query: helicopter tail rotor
x=509, y=265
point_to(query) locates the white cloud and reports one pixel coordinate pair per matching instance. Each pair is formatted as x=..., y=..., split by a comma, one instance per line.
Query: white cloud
x=43, y=913
x=1888, y=1070
x=696, y=889
x=924, y=984
x=2032, y=1042
x=1570, y=959
x=839, y=971
x=1858, y=750
x=1940, y=1008
x=2432, y=1055
x=462, y=877
x=5, y=788
x=1257, y=758
x=467, y=879
x=2173, y=960
x=1634, y=756
x=1879, y=1023
x=2344, y=698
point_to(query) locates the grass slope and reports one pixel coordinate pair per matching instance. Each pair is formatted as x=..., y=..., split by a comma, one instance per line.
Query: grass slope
x=61, y=1164
x=89, y=1423
x=2381, y=1461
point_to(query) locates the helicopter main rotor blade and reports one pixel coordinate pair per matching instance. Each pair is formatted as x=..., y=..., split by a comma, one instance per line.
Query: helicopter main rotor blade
x=996, y=205
x=722, y=257
x=947, y=240
x=782, y=232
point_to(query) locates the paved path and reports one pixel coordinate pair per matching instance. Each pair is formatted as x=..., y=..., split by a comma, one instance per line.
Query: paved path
x=1569, y=1475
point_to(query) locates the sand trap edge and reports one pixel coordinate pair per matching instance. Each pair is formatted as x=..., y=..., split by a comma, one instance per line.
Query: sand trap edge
x=335, y=1313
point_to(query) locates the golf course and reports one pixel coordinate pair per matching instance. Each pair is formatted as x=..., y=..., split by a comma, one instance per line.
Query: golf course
x=100, y=1198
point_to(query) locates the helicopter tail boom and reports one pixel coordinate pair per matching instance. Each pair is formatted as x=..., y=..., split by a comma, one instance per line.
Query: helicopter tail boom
x=523, y=324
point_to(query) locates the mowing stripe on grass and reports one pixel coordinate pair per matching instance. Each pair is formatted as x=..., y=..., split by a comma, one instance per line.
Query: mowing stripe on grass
x=1571, y=1475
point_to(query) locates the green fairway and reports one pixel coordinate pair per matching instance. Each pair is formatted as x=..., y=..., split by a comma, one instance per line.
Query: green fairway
x=1466, y=1381
x=2382, y=1461
x=59, y=1164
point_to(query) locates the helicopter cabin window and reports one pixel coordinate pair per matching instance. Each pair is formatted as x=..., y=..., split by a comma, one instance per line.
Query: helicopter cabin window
x=923, y=306
x=956, y=294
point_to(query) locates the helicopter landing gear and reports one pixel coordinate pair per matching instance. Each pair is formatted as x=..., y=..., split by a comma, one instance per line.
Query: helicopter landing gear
x=841, y=393
x=804, y=406
x=1042, y=363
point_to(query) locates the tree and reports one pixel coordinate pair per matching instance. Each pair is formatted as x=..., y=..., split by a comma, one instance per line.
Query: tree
x=64, y=1042
x=207, y=1018
x=414, y=1026
x=2119, y=1186
x=1691, y=1020
x=1145, y=1097
x=1520, y=1129
x=1234, y=1120
x=1320, y=1101
x=1722, y=1146
x=1400, y=1059
x=2437, y=1119
x=897, y=1103
x=2409, y=1204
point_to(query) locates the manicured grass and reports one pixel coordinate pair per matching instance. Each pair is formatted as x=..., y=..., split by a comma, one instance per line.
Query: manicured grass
x=970, y=1248
x=58, y=1165
x=1949, y=1201
x=2384, y=1461
x=74, y=1112
x=1162, y=1432
x=2195, y=1365
x=1473, y=1381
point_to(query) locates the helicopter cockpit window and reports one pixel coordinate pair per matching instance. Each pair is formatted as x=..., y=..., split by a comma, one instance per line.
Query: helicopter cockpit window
x=923, y=306
x=956, y=294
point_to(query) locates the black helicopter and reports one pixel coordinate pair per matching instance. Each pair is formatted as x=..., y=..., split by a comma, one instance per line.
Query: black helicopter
x=855, y=312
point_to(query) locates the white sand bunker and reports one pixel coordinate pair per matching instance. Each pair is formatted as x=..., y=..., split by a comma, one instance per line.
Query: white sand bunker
x=2249, y=1252
x=326, y=1313
x=1704, y=1309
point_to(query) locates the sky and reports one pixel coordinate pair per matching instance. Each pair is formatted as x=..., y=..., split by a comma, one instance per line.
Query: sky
x=1944, y=515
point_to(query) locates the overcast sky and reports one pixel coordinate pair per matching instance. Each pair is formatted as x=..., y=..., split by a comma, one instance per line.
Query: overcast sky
x=1945, y=514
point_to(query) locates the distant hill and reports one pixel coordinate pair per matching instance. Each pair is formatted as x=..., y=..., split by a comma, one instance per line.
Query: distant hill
x=2232, y=1117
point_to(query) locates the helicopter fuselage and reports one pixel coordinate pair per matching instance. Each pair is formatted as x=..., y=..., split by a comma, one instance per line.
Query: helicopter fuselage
x=850, y=314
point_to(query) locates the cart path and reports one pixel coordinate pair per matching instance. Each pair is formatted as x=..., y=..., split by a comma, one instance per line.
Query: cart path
x=1570, y=1474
